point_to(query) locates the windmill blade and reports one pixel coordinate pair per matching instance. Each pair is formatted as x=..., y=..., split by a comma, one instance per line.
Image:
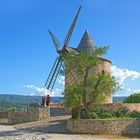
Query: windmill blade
x=68, y=36
x=55, y=41
x=65, y=56
x=53, y=74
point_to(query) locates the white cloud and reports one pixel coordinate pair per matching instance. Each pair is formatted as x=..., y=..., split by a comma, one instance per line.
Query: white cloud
x=62, y=80
x=123, y=74
x=129, y=90
x=40, y=91
x=136, y=91
x=132, y=91
x=29, y=86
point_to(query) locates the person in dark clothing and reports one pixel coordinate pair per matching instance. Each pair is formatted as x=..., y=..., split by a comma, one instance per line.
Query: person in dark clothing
x=43, y=101
x=48, y=100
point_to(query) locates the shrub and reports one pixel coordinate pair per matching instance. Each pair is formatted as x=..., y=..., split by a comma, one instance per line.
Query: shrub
x=134, y=98
x=123, y=112
x=94, y=115
x=106, y=115
x=135, y=114
x=99, y=110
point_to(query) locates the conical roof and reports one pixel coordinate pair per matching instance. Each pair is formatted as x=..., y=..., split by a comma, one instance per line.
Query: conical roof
x=86, y=44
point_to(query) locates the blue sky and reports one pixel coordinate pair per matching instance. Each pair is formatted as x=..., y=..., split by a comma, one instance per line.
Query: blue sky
x=27, y=52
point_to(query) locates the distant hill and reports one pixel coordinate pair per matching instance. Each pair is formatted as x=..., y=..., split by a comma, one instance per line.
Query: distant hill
x=119, y=99
x=21, y=100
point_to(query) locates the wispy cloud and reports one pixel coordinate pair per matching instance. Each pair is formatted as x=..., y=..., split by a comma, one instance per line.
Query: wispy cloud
x=120, y=74
x=131, y=91
x=62, y=80
x=40, y=91
x=123, y=74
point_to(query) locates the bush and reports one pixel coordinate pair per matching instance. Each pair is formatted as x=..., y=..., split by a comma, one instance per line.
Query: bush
x=99, y=110
x=123, y=112
x=135, y=114
x=106, y=115
x=134, y=98
x=94, y=115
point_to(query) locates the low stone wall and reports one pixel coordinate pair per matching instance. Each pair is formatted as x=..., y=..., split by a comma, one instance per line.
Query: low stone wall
x=33, y=114
x=3, y=117
x=56, y=105
x=133, y=106
x=130, y=106
x=115, y=127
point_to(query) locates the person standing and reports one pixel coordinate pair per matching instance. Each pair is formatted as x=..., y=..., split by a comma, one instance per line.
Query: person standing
x=48, y=100
x=43, y=101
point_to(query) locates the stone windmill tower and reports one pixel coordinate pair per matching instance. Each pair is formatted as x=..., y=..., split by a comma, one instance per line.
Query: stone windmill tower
x=87, y=45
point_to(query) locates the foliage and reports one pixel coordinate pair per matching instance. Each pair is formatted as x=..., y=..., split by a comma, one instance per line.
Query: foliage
x=106, y=115
x=135, y=114
x=94, y=115
x=100, y=109
x=122, y=113
x=73, y=96
x=103, y=84
x=134, y=98
x=9, y=110
x=104, y=112
x=89, y=89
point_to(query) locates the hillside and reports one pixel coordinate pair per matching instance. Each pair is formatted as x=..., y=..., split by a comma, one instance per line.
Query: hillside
x=21, y=100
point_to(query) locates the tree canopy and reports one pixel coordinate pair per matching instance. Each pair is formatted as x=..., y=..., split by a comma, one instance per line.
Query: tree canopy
x=90, y=88
x=134, y=98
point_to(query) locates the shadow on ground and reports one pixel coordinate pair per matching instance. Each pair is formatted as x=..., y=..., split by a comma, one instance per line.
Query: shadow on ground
x=10, y=133
x=58, y=112
x=52, y=127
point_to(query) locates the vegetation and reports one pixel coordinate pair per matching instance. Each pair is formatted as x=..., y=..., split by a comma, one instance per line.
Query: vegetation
x=134, y=98
x=10, y=109
x=100, y=112
x=89, y=89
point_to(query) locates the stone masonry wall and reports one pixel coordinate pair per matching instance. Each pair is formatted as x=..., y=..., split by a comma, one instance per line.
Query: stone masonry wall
x=115, y=127
x=34, y=114
x=133, y=106
x=130, y=106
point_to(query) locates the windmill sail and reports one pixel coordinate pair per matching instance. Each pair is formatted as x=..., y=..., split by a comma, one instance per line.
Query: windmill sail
x=55, y=41
x=62, y=52
x=68, y=36
x=53, y=74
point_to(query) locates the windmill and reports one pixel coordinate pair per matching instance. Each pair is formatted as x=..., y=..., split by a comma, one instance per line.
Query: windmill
x=58, y=64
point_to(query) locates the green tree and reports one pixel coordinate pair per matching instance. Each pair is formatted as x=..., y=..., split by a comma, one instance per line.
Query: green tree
x=134, y=98
x=89, y=89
